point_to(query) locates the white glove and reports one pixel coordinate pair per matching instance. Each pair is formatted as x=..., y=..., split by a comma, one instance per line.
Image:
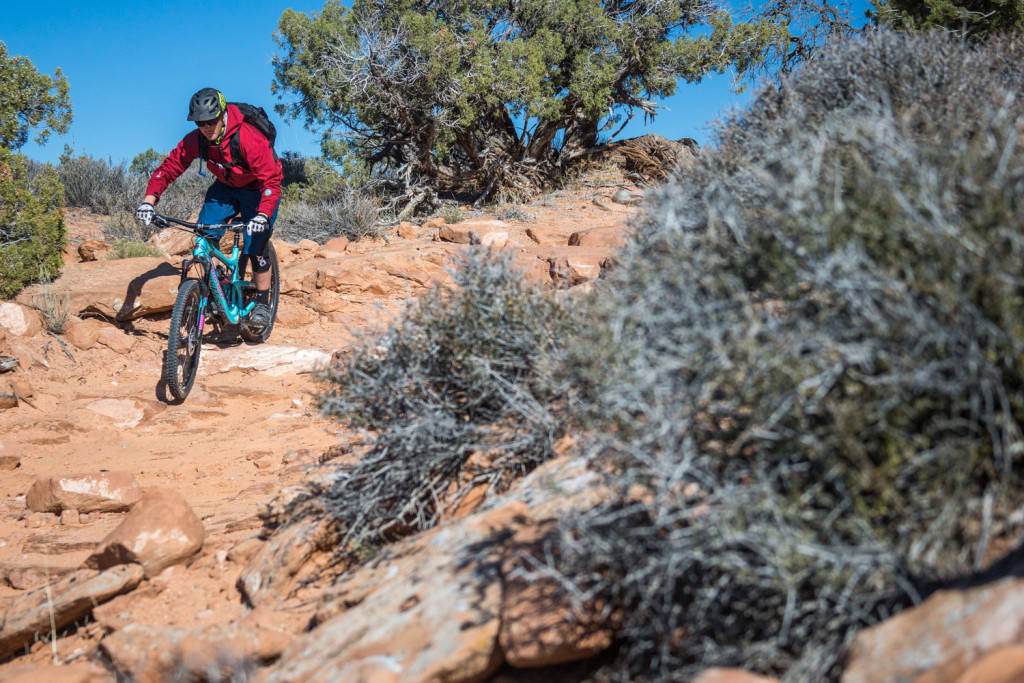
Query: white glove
x=145, y=213
x=257, y=224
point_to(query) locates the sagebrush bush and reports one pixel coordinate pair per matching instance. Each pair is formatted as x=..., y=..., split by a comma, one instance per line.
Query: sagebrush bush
x=454, y=396
x=811, y=360
x=32, y=232
x=115, y=190
x=349, y=214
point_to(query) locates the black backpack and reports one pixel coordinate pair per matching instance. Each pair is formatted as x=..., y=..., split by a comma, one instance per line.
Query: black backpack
x=253, y=115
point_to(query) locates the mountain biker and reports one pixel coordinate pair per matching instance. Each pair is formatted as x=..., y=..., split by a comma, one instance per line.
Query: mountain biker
x=250, y=186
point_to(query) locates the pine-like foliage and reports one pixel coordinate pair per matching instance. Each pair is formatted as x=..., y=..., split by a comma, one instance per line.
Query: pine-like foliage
x=494, y=98
x=974, y=19
x=32, y=234
x=812, y=363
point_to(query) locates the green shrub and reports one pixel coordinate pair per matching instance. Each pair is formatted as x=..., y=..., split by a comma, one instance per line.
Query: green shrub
x=451, y=213
x=127, y=248
x=32, y=234
x=812, y=361
x=514, y=213
x=454, y=396
x=53, y=305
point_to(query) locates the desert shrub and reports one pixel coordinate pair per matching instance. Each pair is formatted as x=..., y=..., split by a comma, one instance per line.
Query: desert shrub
x=514, y=212
x=811, y=364
x=32, y=233
x=54, y=304
x=451, y=213
x=115, y=190
x=454, y=396
x=349, y=214
x=98, y=185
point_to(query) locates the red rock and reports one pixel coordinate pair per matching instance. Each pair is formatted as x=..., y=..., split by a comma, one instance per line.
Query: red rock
x=161, y=530
x=173, y=242
x=92, y=249
x=612, y=236
x=28, y=616
x=407, y=231
x=99, y=492
x=1002, y=665
x=731, y=676
x=939, y=639
x=82, y=335
x=121, y=289
x=535, y=626
x=337, y=244
x=19, y=320
x=116, y=340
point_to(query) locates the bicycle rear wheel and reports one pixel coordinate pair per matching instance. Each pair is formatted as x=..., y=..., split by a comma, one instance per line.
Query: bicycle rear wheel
x=184, y=341
x=257, y=333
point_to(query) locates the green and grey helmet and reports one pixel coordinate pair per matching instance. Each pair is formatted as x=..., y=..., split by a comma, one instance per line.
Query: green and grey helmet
x=205, y=105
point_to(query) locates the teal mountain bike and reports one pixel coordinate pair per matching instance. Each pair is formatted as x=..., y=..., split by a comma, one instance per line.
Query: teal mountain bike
x=212, y=288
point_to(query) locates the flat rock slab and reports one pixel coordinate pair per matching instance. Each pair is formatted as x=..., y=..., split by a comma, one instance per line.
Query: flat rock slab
x=28, y=616
x=271, y=360
x=425, y=610
x=93, y=492
x=122, y=289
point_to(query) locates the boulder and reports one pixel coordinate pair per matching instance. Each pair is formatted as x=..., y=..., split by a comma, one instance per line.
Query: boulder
x=485, y=231
x=148, y=653
x=173, y=242
x=82, y=334
x=941, y=638
x=100, y=492
x=161, y=530
x=338, y=244
x=93, y=249
x=536, y=625
x=121, y=289
x=407, y=231
x=412, y=614
x=569, y=271
x=612, y=236
x=116, y=340
x=19, y=320
x=28, y=616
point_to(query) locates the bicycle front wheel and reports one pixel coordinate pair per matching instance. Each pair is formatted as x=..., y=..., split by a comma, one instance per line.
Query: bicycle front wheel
x=257, y=333
x=184, y=341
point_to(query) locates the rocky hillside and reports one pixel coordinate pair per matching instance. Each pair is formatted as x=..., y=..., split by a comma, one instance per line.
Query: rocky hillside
x=142, y=538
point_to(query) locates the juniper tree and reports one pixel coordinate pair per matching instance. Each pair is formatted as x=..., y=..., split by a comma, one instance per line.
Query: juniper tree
x=495, y=98
x=30, y=100
x=973, y=18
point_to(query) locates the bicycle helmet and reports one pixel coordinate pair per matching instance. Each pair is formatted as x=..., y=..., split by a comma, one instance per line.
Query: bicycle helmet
x=205, y=105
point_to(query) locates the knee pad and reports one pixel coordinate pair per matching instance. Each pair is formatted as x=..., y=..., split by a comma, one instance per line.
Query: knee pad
x=260, y=263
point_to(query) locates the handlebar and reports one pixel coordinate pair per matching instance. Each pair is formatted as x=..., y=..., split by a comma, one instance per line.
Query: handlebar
x=166, y=221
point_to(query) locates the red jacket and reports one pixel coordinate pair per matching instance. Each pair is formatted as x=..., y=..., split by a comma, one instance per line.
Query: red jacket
x=265, y=176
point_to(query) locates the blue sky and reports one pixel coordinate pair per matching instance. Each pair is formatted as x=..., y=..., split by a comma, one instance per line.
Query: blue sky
x=132, y=68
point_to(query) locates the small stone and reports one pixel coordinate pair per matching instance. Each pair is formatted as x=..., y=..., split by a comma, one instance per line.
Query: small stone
x=70, y=518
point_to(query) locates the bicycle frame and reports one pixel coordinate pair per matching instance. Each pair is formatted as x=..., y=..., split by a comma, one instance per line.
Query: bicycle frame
x=206, y=256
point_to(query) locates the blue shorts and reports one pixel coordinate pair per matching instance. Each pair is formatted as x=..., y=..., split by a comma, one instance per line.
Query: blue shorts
x=223, y=202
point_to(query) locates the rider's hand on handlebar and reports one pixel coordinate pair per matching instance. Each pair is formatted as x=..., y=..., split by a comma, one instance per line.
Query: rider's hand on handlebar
x=145, y=213
x=257, y=224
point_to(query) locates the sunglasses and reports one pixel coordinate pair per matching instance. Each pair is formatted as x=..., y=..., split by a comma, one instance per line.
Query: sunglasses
x=207, y=124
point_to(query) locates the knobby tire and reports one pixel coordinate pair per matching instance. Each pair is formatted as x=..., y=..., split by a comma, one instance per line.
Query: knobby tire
x=184, y=340
x=253, y=333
